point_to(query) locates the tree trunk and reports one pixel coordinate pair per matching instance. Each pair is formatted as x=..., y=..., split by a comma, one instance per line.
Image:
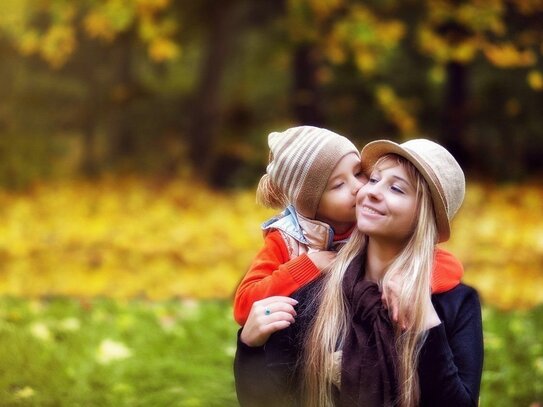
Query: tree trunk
x=306, y=97
x=205, y=115
x=121, y=134
x=455, y=115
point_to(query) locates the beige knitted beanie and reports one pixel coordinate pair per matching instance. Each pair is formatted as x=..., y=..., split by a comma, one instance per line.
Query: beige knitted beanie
x=301, y=162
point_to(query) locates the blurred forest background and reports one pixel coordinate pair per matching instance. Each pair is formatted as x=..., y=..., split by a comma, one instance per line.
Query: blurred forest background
x=133, y=132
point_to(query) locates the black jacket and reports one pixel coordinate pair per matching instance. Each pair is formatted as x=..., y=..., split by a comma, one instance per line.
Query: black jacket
x=450, y=363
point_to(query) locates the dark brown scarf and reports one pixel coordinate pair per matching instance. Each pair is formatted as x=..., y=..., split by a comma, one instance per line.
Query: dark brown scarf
x=368, y=372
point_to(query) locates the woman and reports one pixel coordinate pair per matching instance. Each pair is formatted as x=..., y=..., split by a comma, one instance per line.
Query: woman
x=344, y=348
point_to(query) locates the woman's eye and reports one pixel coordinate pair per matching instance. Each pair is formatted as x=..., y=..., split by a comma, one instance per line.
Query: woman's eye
x=396, y=189
x=372, y=180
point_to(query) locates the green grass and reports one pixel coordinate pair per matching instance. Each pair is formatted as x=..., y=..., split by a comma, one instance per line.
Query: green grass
x=171, y=353
x=513, y=367
x=179, y=353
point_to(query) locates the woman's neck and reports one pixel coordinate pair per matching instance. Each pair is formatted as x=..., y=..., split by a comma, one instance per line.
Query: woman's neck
x=378, y=258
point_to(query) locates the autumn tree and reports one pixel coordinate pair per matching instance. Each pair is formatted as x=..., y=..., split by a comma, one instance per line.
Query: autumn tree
x=451, y=37
x=94, y=42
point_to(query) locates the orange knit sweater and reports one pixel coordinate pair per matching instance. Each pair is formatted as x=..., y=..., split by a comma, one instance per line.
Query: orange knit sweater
x=274, y=273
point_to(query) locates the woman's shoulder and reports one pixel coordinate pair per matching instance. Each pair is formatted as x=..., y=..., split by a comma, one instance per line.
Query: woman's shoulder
x=462, y=300
x=460, y=292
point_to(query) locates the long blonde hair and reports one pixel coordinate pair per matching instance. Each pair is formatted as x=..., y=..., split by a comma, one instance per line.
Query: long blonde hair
x=328, y=330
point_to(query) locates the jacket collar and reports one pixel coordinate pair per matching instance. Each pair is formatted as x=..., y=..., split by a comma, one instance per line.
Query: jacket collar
x=313, y=233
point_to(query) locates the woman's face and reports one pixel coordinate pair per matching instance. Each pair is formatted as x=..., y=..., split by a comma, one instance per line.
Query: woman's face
x=386, y=206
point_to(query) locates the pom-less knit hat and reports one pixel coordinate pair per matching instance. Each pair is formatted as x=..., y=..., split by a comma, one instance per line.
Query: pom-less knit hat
x=301, y=162
x=438, y=167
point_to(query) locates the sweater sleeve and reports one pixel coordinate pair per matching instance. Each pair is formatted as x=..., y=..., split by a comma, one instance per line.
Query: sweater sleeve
x=447, y=273
x=272, y=273
x=451, y=359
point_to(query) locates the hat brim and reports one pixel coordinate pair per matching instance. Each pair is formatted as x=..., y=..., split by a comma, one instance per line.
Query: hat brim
x=374, y=150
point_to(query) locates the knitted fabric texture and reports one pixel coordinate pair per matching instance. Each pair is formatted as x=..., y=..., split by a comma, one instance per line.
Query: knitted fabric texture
x=301, y=162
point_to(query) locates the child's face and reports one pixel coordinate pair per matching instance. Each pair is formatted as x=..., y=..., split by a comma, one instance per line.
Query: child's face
x=337, y=206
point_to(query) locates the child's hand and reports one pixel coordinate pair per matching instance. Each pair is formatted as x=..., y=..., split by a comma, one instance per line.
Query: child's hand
x=390, y=298
x=323, y=260
x=266, y=317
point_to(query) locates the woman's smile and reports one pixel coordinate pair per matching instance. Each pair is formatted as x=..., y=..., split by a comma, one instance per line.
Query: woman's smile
x=368, y=210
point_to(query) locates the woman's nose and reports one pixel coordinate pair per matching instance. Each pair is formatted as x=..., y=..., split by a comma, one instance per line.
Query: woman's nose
x=370, y=190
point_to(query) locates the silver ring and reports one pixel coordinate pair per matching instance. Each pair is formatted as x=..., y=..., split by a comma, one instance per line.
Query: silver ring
x=267, y=311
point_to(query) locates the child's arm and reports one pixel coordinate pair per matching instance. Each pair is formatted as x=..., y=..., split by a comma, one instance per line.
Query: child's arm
x=447, y=271
x=272, y=273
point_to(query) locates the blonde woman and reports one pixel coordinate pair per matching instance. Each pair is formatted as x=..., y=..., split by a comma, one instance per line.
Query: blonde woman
x=341, y=347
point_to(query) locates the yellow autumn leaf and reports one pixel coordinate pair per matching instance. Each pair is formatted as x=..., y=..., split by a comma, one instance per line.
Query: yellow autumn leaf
x=396, y=109
x=365, y=61
x=507, y=55
x=150, y=7
x=98, y=26
x=535, y=80
x=163, y=49
x=58, y=44
x=29, y=42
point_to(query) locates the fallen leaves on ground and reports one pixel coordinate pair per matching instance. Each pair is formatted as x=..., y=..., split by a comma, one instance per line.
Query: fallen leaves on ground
x=139, y=238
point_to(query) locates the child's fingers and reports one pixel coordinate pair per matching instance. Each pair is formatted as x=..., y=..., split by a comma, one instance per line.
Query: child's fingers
x=275, y=307
x=260, y=325
x=279, y=316
x=391, y=299
x=275, y=298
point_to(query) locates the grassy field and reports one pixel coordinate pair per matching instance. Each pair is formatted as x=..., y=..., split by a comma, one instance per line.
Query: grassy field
x=119, y=293
x=103, y=352
x=64, y=352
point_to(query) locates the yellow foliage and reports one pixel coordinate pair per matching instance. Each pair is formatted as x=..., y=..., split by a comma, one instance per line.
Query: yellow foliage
x=507, y=55
x=55, y=45
x=324, y=8
x=98, y=26
x=396, y=109
x=528, y=7
x=29, y=42
x=437, y=74
x=482, y=16
x=129, y=238
x=163, y=49
x=126, y=239
x=150, y=7
x=58, y=44
x=499, y=237
x=442, y=50
x=478, y=16
x=535, y=80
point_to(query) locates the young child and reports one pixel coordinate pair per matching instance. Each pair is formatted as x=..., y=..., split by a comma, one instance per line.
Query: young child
x=314, y=175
